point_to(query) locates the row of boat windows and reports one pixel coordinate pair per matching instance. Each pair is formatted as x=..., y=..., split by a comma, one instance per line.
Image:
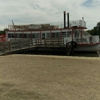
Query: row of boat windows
x=37, y=35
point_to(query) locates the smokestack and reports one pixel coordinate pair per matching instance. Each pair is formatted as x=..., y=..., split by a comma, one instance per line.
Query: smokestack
x=68, y=20
x=64, y=19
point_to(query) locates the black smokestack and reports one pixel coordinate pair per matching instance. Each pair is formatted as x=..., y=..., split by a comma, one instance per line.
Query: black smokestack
x=64, y=19
x=68, y=20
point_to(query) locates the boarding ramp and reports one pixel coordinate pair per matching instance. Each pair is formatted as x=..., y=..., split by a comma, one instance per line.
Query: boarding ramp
x=15, y=45
x=19, y=45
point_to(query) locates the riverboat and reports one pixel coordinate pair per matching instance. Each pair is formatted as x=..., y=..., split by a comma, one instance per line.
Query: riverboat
x=73, y=37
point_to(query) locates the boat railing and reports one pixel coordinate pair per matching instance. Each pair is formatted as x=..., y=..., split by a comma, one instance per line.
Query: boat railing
x=81, y=40
x=52, y=25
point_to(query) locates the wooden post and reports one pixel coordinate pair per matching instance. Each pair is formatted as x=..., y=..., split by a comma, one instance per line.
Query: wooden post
x=9, y=47
x=44, y=42
x=20, y=44
x=28, y=43
x=4, y=48
x=36, y=42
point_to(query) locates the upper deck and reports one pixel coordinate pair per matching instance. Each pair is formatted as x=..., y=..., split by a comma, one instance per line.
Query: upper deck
x=48, y=26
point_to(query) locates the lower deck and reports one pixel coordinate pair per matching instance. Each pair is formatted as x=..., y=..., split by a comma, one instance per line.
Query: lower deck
x=19, y=45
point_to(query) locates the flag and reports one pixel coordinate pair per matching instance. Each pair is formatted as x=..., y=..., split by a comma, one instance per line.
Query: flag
x=13, y=24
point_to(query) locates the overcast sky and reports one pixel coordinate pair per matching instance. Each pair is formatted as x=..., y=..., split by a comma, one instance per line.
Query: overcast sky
x=44, y=11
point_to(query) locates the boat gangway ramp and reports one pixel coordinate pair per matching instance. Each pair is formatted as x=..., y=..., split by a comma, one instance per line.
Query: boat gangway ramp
x=18, y=45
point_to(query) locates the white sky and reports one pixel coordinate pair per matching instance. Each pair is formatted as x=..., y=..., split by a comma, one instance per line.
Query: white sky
x=44, y=11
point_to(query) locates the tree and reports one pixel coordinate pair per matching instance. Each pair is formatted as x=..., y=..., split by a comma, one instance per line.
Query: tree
x=98, y=28
x=3, y=31
x=95, y=30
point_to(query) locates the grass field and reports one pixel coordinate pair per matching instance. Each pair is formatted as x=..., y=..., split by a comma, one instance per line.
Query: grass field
x=40, y=77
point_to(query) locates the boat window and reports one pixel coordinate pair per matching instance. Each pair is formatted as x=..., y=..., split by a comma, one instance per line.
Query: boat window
x=17, y=35
x=43, y=35
x=58, y=34
x=9, y=35
x=47, y=35
x=13, y=35
x=33, y=35
x=36, y=35
x=21, y=35
x=63, y=34
x=24, y=35
x=29, y=35
x=68, y=33
x=55, y=35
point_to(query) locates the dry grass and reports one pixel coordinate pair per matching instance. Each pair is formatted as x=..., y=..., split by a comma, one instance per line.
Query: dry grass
x=31, y=77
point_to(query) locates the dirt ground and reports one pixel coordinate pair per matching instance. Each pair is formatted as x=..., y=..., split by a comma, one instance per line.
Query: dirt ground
x=40, y=77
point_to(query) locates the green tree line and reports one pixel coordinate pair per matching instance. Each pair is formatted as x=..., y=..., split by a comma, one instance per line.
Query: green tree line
x=95, y=30
x=3, y=31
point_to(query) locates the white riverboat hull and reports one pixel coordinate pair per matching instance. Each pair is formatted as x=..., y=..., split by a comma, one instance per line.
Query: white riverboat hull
x=88, y=47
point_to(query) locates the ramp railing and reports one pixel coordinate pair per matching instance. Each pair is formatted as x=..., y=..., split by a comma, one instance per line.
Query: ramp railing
x=15, y=45
x=25, y=44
